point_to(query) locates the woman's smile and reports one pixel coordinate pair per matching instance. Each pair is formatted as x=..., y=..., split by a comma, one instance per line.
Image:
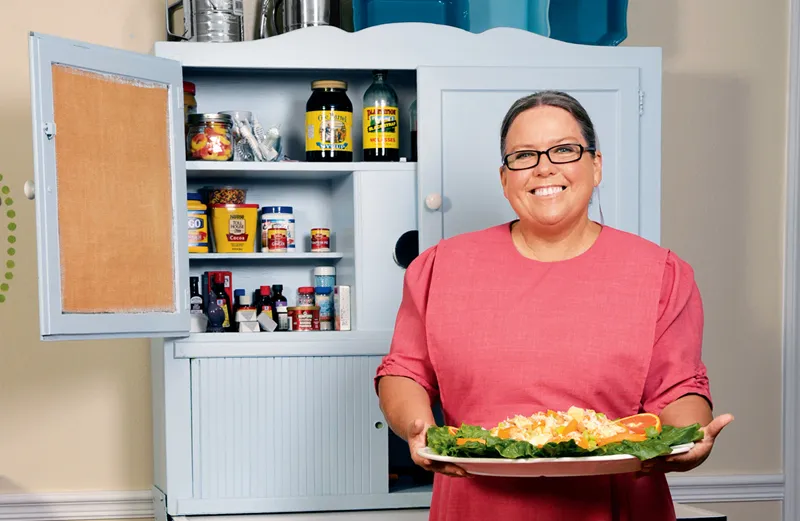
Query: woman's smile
x=548, y=191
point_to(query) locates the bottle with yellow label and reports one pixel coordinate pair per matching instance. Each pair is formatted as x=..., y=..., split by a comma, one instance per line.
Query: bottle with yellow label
x=381, y=120
x=329, y=122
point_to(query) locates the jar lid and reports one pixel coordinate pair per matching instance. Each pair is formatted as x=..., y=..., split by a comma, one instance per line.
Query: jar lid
x=193, y=196
x=189, y=88
x=232, y=206
x=329, y=84
x=324, y=270
x=323, y=290
x=194, y=119
x=305, y=289
x=276, y=209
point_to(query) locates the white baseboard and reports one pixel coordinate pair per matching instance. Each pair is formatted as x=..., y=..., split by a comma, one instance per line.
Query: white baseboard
x=139, y=504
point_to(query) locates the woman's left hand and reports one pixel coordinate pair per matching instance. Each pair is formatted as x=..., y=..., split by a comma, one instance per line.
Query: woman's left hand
x=696, y=455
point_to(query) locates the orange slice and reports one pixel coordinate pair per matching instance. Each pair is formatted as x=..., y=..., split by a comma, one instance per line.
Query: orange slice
x=639, y=423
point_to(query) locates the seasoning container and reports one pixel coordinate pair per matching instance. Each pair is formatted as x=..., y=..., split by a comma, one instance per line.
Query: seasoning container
x=305, y=296
x=280, y=217
x=320, y=240
x=277, y=237
x=189, y=102
x=324, y=276
x=341, y=308
x=381, y=121
x=329, y=122
x=234, y=227
x=323, y=298
x=210, y=137
x=304, y=318
x=198, y=224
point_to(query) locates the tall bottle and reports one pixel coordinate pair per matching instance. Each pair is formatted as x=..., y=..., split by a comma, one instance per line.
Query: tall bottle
x=413, y=116
x=381, y=120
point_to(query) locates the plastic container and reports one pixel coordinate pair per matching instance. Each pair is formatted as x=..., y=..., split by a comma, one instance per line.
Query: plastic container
x=189, y=102
x=529, y=15
x=227, y=195
x=589, y=22
x=235, y=227
x=305, y=296
x=198, y=224
x=324, y=277
x=209, y=137
x=369, y=13
x=323, y=298
x=277, y=216
x=329, y=122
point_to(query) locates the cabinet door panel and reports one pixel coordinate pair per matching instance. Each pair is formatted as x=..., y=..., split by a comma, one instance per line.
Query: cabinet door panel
x=111, y=189
x=460, y=113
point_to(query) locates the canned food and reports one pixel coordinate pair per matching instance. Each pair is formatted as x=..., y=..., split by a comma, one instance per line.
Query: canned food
x=320, y=239
x=277, y=239
x=303, y=318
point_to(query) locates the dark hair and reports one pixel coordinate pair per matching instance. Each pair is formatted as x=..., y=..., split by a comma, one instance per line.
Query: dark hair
x=549, y=98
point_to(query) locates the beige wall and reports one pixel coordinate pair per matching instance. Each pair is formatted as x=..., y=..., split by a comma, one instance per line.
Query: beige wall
x=76, y=416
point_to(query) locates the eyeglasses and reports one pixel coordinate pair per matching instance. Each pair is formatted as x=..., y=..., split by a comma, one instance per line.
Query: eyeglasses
x=558, y=155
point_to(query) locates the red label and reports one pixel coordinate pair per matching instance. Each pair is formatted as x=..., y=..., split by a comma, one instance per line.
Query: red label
x=236, y=238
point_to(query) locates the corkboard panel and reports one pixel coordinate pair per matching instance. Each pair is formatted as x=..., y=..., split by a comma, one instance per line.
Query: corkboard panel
x=114, y=193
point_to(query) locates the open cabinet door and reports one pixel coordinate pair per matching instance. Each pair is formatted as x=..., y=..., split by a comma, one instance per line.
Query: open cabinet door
x=110, y=192
x=460, y=114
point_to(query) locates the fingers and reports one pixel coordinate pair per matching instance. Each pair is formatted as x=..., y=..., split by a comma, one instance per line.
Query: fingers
x=717, y=424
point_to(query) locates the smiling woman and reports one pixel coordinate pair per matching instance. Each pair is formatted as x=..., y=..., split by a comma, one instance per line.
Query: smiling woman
x=603, y=320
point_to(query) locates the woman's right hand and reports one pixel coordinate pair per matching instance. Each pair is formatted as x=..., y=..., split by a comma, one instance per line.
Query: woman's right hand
x=417, y=439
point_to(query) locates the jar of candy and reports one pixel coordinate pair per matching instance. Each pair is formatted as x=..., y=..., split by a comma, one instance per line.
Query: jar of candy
x=210, y=137
x=324, y=276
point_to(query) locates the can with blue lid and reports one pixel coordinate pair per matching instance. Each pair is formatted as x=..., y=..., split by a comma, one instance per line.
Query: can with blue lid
x=277, y=217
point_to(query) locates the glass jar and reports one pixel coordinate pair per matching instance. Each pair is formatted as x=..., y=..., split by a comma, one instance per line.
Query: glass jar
x=210, y=137
x=323, y=297
x=381, y=120
x=305, y=296
x=329, y=122
x=324, y=276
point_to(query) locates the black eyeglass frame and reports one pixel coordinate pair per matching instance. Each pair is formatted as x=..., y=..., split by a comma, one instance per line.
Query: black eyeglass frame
x=547, y=153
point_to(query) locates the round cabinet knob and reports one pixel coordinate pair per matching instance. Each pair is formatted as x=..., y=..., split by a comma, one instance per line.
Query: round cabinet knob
x=29, y=189
x=433, y=201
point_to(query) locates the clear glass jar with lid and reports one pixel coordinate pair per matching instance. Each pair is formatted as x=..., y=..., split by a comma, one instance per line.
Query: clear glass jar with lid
x=329, y=122
x=210, y=137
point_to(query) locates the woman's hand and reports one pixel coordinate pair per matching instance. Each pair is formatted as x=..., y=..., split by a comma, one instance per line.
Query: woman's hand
x=696, y=456
x=417, y=440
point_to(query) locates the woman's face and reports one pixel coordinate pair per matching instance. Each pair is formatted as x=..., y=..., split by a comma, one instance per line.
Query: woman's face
x=549, y=195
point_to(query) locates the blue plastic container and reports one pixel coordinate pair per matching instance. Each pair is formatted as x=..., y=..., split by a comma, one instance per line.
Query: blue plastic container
x=589, y=22
x=530, y=15
x=369, y=13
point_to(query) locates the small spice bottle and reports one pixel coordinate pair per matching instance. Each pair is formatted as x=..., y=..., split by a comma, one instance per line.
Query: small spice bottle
x=305, y=296
x=323, y=297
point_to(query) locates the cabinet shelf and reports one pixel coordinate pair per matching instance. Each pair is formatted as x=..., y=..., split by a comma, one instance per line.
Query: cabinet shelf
x=291, y=170
x=198, y=258
x=284, y=343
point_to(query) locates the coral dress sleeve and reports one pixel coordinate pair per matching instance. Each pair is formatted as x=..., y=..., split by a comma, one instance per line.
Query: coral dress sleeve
x=408, y=355
x=676, y=366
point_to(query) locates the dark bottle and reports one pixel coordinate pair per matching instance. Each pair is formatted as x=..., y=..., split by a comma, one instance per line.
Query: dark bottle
x=222, y=300
x=195, y=297
x=381, y=121
x=413, y=117
x=329, y=122
x=279, y=305
x=264, y=302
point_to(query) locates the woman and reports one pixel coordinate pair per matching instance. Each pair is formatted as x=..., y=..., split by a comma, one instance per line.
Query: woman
x=546, y=312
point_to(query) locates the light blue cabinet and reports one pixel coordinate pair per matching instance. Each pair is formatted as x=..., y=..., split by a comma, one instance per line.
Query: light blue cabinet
x=289, y=422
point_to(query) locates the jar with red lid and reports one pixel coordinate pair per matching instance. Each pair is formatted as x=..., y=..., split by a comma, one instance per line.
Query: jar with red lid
x=305, y=296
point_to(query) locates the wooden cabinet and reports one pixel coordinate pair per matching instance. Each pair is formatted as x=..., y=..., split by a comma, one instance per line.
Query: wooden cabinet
x=289, y=422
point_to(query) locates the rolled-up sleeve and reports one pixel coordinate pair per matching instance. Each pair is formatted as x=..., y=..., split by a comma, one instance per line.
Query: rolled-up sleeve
x=408, y=355
x=676, y=365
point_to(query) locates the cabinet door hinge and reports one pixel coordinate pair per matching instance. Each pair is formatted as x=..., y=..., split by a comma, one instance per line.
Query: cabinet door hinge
x=641, y=102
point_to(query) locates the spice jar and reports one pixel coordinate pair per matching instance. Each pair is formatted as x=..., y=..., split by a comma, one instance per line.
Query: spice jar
x=329, y=122
x=209, y=137
x=305, y=296
x=323, y=298
x=324, y=276
x=198, y=224
x=277, y=217
x=320, y=240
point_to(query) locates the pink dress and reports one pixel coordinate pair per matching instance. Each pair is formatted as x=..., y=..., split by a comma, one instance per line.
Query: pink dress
x=492, y=334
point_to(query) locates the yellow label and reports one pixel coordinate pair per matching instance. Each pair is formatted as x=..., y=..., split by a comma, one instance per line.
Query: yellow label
x=329, y=130
x=381, y=127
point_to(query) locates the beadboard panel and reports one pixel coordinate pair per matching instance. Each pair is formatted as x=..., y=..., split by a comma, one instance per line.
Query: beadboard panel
x=287, y=427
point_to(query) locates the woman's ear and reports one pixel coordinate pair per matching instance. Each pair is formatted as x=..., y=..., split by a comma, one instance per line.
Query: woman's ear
x=597, y=163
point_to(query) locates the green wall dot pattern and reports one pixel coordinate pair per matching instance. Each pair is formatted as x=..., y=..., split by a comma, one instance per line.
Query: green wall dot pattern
x=11, y=226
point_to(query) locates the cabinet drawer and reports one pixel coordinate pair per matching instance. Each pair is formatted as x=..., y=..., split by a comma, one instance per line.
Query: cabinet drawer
x=287, y=427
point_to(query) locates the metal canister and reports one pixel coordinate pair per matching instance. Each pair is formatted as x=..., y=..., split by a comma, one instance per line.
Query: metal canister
x=208, y=20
